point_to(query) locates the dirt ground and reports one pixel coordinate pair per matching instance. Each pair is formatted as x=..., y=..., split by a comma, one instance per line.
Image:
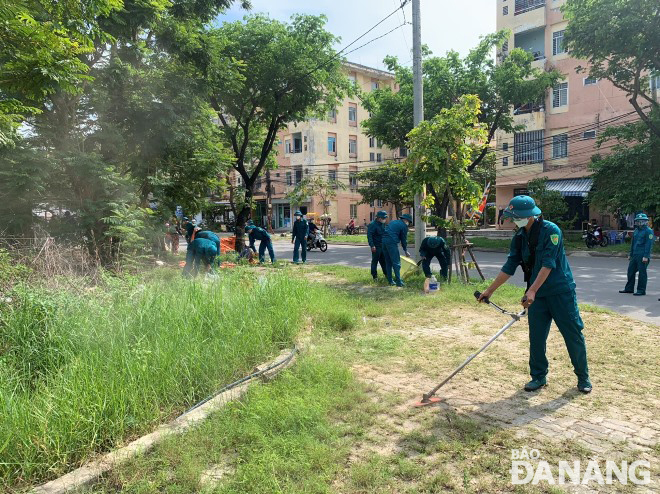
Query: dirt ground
x=485, y=403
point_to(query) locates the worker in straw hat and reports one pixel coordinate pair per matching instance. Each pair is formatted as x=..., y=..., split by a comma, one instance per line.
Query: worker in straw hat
x=538, y=247
x=395, y=233
x=640, y=255
x=375, y=232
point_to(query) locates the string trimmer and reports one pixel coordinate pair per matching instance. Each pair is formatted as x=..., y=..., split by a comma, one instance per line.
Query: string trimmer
x=429, y=398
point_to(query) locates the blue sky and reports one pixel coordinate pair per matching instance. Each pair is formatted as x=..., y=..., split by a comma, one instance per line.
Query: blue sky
x=446, y=24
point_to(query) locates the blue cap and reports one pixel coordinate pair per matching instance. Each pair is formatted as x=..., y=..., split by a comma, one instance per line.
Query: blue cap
x=641, y=217
x=250, y=227
x=406, y=217
x=521, y=207
x=381, y=214
x=297, y=213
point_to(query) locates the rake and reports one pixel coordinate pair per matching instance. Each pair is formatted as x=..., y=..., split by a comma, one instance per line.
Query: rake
x=429, y=398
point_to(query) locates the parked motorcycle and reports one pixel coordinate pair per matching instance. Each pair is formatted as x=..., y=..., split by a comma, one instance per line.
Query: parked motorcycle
x=317, y=242
x=594, y=237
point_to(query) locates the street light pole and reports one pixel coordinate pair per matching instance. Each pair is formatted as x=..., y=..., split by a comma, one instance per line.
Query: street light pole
x=418, y=92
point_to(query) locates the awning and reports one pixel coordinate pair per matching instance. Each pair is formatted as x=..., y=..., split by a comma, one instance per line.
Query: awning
x=575, y=187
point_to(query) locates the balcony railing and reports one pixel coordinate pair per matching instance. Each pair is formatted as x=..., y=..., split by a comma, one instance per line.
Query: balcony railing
x=528, y=108
x=523, y=6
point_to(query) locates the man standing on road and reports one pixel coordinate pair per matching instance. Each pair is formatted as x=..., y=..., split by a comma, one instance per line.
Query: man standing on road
x=299, y=237
x=396, y=231
x=435, y=247
x=375, y=232
x=258, y=233
x=639, y=256
x=538, y=247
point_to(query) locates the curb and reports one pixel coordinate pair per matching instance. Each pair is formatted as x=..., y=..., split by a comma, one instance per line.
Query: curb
x=90, y=472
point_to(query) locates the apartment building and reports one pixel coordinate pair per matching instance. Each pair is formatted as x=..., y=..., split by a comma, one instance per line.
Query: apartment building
x=334, y=148
x=560, y=131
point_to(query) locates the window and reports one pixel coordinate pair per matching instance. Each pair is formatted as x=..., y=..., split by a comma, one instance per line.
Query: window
x=379, y=157
x=528, y=147
x=332, y=144
x=371, y=215
x=352, y=146
x=332, y=115
x=560, y=95
x=287, y=146
x=372, y=157
x=505, y=161
x=353, y=211
x=403, y=152
x=379, y=144
x=654, y=82
x=590, y=81
x=372, y=142
x=239, y=180
x=380, y=203
x=353, y=77
x=589, y=134
x=352, y=114
x=299, y=175
x=371, y=204
x=332, y=175
x=558, y=42
x=352, y=180
x=297, y=143
x=505, y=146
x=505, y=10
x=375, y=85
x=559, y=146
x=523, y=6
x=289, y=181
x=257, y=183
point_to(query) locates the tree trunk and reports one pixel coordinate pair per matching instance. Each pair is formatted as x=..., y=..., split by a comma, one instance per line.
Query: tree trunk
x=242, y=217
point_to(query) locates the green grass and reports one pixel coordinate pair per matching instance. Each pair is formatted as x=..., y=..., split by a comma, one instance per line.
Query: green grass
x=283, y=438
x=80, y=375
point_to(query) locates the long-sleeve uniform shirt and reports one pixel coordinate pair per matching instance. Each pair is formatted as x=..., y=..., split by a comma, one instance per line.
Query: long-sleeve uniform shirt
x=375, y=232
x=209, y=235
x=300, y=230
x=258, y=233
x=396, y=231
x=434, y=246
x=549, y=254
x=642, y=243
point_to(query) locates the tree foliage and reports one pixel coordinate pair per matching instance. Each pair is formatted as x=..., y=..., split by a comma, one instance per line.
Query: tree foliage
x=628, y=178
x=551, y=202
x=316, y=186
x=620, y=40
x=385, y=183
x=446, y=80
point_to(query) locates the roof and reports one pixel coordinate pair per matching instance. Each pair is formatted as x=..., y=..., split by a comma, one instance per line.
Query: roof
x=576, y=187
x=371, y=70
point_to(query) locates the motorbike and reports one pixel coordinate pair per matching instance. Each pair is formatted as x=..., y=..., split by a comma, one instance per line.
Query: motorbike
x=594, y=237
x=316, y=241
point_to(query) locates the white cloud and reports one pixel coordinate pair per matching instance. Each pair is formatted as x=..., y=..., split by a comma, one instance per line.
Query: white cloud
x=446, y=24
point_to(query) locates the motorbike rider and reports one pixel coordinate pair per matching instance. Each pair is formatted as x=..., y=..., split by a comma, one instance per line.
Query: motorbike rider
x=639, y=256
x=375, y=232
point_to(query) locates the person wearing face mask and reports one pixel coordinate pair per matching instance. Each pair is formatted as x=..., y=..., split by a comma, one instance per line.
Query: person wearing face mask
x=396, y=231
x=299, y=237
x=375, y=232
x=538, y=247
x=639, y=256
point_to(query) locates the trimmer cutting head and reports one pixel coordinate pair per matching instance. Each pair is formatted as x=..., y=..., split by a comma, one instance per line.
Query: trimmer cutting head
x=427, y=401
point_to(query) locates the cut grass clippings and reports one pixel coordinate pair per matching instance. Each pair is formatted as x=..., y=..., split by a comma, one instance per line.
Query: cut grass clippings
x=81, y=375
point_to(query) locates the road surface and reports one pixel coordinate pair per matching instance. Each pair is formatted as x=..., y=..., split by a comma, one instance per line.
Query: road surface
x=598, y=279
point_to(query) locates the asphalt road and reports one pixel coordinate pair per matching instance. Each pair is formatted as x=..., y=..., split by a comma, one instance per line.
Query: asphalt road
x=598, y=279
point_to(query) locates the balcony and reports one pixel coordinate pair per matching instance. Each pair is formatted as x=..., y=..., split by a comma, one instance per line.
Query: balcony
x=533, y=42
x=523, y=6
x=525, y=108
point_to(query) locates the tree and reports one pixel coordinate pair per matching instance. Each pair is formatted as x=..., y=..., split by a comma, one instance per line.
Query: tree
x=620, y=39
x=551, y=202
x=262, y=74
x=385, y=183
x=316, y=186
x=442, y=151
x=628, y=179
x=446, y=79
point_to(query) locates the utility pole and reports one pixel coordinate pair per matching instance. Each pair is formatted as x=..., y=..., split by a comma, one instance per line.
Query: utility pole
x=418, y=92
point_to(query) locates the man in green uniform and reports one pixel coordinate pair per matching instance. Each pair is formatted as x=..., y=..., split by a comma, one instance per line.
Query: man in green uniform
x=396, y=231
x=640, y=255
x=258, y=233
x=375, y=232
x=538, y=247
x=190, y=229
x=208, y=235
x=299, y=237
x=435, y=247
x=200, y=251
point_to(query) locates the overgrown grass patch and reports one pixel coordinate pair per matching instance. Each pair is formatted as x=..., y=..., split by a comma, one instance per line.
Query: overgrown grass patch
x=285, y=437
x=84, y=374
